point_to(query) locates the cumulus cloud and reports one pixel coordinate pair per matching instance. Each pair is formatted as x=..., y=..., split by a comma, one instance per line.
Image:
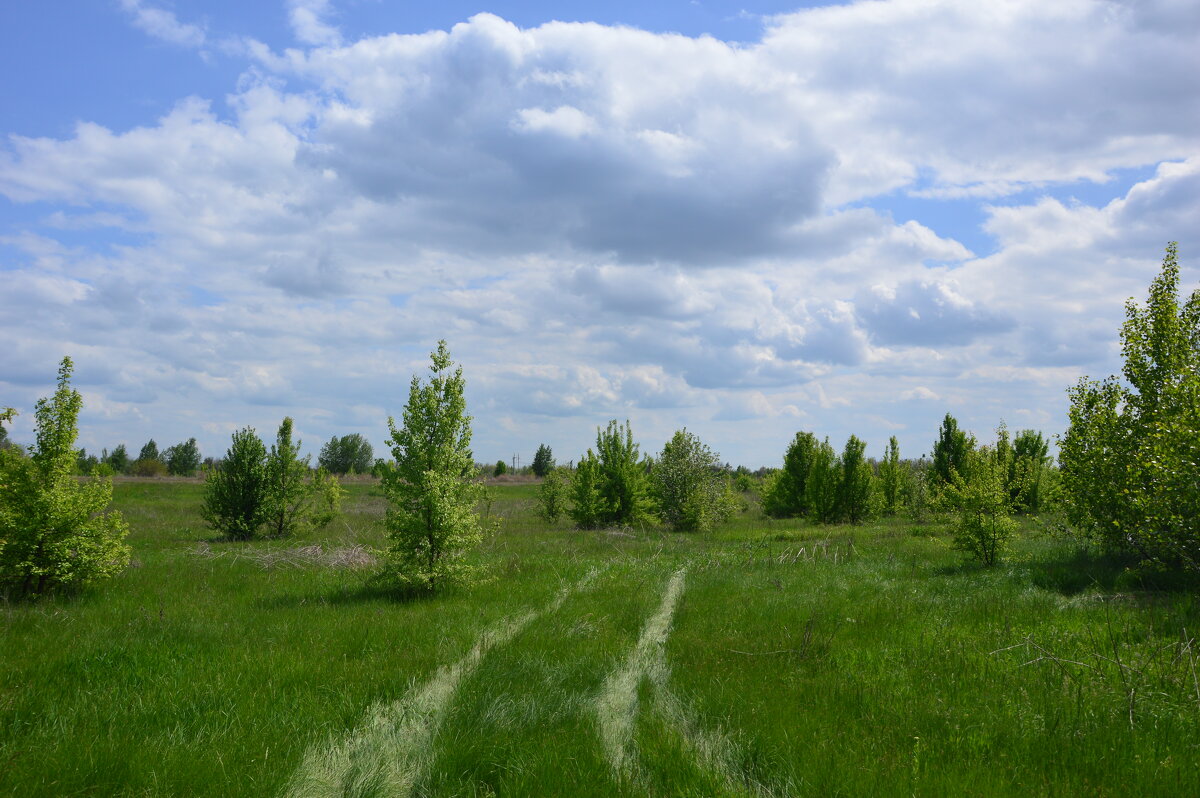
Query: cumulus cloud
x=606, y=222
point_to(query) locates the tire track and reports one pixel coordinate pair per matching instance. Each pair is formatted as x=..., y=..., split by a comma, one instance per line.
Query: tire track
x=392, y=749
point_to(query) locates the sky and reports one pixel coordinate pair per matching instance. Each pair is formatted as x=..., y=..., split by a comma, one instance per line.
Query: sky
x=743, y=218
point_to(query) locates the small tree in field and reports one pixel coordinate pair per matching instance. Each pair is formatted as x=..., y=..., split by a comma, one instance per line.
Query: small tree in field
x=786, y=494
x=624, y=488
x=433, y=488
x=587, y=505
x=552, y=495
x=983, y=505
x=543, y=461
x=950, y=452
x=234, y=493
x=688, y=488
x=183, y=459
x=891, y=478
x=500, y=470
x=855, y=483
x=295, y=501
x=55, y=532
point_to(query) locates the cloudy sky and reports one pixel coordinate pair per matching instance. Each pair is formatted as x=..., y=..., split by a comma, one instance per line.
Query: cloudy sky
x=747, y=218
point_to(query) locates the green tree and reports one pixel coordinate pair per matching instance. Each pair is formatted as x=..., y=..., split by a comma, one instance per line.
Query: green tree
x=118, y=459
x=1130, y=460
x=295, y=501
x=351, y=454
x=855, y=483
x=433, y=488
x=891, y=478
x=500, y=469
x=983, y=505
x=688, y=487
x=234, y=493
x=587, y=505
x=543, y=461
x=624, y=487
x=786, y=494
x=183, y=459
x=821, y=487
x=149, y=451
x=55, y=532
x=552, y=495
x=950, y=452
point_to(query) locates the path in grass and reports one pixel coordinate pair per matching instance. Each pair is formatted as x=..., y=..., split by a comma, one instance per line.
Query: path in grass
x=617, y=706
x=390, y=752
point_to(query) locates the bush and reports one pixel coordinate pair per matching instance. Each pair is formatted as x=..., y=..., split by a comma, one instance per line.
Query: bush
x=433, y=488
x=587, y=505
x=55, y=532
x=1130, y=460
x=688, y=487
x=234, y=492
x=148, y=468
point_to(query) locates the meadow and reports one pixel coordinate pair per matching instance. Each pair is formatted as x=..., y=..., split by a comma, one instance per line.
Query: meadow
x=766, y=658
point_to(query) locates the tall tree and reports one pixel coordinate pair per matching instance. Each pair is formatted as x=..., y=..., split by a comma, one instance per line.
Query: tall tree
x=183, y=459
x=433, y=488
x=950, y=452
x=1130, y=460
x=786, y=495
x=891, y=478
x=149, y=451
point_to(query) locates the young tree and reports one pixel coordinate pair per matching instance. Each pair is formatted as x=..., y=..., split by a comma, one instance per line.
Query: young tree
x=433, y=488
x=183, y=459
x=149, y=451
x=543, y=461
x=950, y=452
x=624, y=488
x=351, y=454
x=295, y=501
x=891, y=478
x=786, y=495
x=234, y=493
x=500, y=469
x=552, y=495
x=1031, y=478
x=855, y=483
x=588, y=509
x=686, y=481
x=982, y=502
x=118, y=459
x=821, y=487
x=55, y=532
x=1130, y=460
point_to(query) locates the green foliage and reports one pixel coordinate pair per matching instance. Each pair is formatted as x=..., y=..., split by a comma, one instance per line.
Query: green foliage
x=688, y=487
x=432, y=490
x=351, y=454
x=500, y=469
x=118, y=459
x=983, y=505
x=55, y=532
x=543, y=461
x=183, y=459
x=950, y=452
x=786, y=494
x=743, y=482
x=294, y=501
x=149, y=451
x=821, y=487
x=1130, y=460
x=552, y=495
x=85, y=463
x=234, y=492
x=855, y=484
x=891, y=479
x=587, y=505
x=148, y=468
x=623, y=485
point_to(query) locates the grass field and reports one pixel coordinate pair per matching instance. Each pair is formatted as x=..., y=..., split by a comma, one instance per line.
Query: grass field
x=771, y=658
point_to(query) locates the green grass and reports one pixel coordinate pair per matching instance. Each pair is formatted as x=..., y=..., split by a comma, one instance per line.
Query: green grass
x=801, y=661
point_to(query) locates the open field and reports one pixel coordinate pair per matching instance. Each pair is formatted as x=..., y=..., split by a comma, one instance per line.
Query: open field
x=770, y=658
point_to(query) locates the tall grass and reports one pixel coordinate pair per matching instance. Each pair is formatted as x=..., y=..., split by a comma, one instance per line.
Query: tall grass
x=811, y=660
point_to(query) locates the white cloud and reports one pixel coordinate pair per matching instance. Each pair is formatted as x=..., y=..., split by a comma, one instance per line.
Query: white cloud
x=309, y=21
x=162, y=24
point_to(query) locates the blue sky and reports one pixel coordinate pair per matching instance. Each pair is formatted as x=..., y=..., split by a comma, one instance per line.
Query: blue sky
x=742, y=218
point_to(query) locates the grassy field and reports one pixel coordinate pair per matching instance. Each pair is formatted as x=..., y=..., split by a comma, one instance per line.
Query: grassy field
x=770, y=658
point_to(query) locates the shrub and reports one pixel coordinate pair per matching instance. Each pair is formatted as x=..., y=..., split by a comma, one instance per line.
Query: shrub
x=234, y=492
x=691, y=493
x=587, y=505
x=543, y=461
x=1130, y=460
x=500, y=469
x=623, y=485
x=55, y=532
x=148, y=468
x=433, y=488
